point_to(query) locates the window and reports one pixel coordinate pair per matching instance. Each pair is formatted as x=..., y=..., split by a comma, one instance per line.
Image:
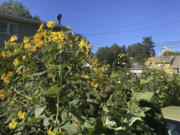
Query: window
x=8, y=28
x=3, y=27
x=13, y=29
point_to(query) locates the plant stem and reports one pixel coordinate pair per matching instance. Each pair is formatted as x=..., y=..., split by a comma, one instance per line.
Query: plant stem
x=58, y=96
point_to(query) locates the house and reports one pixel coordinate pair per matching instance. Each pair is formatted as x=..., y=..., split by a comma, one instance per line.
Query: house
x=176, y=64
x=136, y=68
x=172, y=61
x=15, y=25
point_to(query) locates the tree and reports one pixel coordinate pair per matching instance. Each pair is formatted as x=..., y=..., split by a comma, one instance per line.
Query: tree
x=36, y=17
x=17, y=8
x=109, y=55
x=138, y=52
x=149, y=44
x=141, y=51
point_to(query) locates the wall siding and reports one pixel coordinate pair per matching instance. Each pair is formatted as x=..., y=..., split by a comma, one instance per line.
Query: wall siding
x=24, y=29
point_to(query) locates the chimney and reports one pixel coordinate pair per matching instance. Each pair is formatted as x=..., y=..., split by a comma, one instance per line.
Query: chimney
x=59, y=18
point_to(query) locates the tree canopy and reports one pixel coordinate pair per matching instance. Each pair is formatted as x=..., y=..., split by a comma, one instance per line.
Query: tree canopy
x=138, y=52
x=141, y=51
x=17, y=8
x=110, y=55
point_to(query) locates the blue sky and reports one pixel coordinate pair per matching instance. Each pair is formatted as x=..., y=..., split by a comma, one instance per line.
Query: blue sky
x=124, y=21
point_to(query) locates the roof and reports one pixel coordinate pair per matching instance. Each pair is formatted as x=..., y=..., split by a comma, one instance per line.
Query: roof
x=136, y=66
x=176, y=62
x=162, y=59
x=171, y=113
x=26, y=20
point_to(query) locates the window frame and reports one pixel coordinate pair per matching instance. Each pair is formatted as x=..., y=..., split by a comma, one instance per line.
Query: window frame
x=7, y=30
x=8, y=27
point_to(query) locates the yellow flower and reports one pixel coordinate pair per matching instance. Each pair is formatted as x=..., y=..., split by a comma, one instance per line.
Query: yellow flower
x=13, y=124
x=68, y=27
x=95, y=61
x=85, y=76
x=50, y=24
x=2, y=95
x=50, y=132
x=3, y=54
x=27, y=46
x=58, y=36
x=94, y=84
x=77, y=126
x=147, y=63
x=34, y=48
x=60, y=131
x=8, y=53
x=40, y=28
x=9, y=74
x=123, y=63
x=16, y=51
x=5, y=44
x=3, y=76
x=26, y=40
x=59, y=46
x=36, y=92
x=82, y=43
x=21, y=115
x=131, y=58
x=16, y=62
x=13, y=38
x=127, y=73
x=23, y=57
x=164, y=51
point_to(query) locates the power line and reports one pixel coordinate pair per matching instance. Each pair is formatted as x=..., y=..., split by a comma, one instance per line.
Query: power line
x=168, y=42
x=149, y=18
x=152, y=17
x=168, y=45
x=160, y=44
x=130, y=30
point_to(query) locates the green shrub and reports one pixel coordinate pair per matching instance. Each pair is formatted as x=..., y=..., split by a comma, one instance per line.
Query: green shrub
x=47, y=88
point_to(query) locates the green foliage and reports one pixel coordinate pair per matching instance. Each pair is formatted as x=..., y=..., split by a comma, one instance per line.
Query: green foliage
x=45, y=77
x=110, y=55
x=138, y=52
x=16, y=8
x=141, y=51
x=165, y=87
x=149, y=44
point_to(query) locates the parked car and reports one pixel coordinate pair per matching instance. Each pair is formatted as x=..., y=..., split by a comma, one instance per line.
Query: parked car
x=172, y=117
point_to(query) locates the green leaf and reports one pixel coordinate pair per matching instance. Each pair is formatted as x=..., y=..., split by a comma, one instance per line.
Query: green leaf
x=19, y=68
x=38, y=111
x=53, y=91
x=34, y=120
x=70, y=128
x=37, y=74
x=134, y=119
x=144, y=96
x=53, y=69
